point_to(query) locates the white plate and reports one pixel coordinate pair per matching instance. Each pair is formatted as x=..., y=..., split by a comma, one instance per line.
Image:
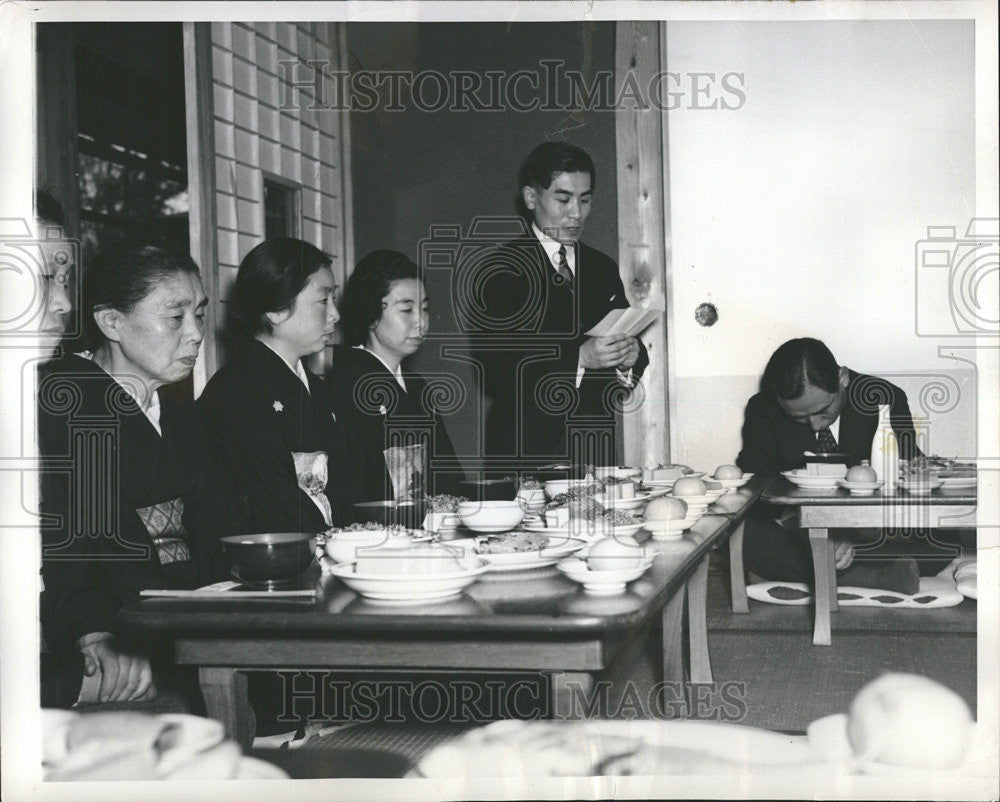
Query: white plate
x=811, y=482
x=729, y=484
x=617, y=471
x=676, y=527
x=653, y=484
x=956, y=482
x=524, y=560
x=860, y=488
x=407, y=588
x=602, y=583
x=623, y=503
x=586, y=530
x=924, y=488
x=702, y=500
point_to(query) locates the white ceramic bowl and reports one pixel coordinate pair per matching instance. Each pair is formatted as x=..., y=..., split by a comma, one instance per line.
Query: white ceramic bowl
x=554, y=487
x=407, y=589
x=666, y=530
x=490, y=516
x=442, y=522
x=602, y=583
x=700, y=501
x=532, y=499
x=731, y=483
x=807, y=482
x=342, y=547
x=860, y=488
x=634, y=503
x=617, y=471
x=921, y=487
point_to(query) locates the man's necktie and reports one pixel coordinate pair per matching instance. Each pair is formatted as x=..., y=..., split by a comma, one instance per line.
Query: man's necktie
x=562, y=266
x=827, y=442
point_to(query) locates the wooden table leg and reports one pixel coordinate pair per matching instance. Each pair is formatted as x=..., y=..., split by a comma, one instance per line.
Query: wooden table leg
x=673, y=645
x=823, y=589
x=697, y=615
x=225, y=693
x=737, y=579
x=832, y=563
x=572, y=693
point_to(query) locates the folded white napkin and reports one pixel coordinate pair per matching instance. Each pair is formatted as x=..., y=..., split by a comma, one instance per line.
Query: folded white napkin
x=129, y=745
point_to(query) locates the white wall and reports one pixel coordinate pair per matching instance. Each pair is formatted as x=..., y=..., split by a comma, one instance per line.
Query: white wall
x=798, y=214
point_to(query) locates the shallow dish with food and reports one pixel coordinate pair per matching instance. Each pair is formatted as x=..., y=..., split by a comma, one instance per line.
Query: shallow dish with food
x=556, y=487
x=799, y=478
x=616, y=471
x=958, y=482
x=860, y=488
x=919, y=487
x=490, y=516
x=634, y=503
x=268, y=559
x=402, y=589
x=602, y=583
x=342, y=545
x=442, y=522
x=554, y=550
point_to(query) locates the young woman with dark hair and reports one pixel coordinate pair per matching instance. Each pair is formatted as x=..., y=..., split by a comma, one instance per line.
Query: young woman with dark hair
x=385, y=319
x=272, y=422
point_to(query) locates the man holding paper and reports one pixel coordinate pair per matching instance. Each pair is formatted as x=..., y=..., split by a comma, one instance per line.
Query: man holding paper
x=553, y=389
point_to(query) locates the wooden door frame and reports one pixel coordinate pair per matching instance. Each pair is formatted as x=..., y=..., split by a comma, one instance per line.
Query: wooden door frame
x=644, y=247
x=200, y=124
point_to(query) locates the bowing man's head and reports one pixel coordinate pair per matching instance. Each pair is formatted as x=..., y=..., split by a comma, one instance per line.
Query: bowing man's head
x=806, y=382
x=557, y=186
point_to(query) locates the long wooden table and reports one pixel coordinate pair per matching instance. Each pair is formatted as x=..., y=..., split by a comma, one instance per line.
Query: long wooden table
x=536, y=620
x=820, y=511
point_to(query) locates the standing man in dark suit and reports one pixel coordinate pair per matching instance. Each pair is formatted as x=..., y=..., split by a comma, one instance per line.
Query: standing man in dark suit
x=808, y=402
x=553, y=391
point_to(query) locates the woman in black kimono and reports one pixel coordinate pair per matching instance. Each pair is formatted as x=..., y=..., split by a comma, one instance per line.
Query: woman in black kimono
x=128, y=493
x=272, y=422
x=385, y=320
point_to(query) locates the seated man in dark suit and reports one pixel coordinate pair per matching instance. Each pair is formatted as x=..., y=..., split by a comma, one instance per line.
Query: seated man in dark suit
x=553, y=390
x=808, y=402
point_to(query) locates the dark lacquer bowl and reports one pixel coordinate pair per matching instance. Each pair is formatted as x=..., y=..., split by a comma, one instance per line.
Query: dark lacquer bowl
x=405, y=513
x=272, y=557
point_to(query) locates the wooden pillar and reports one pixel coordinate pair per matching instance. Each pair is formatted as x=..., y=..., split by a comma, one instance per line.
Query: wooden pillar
x=56, y=167
x=643, y=231
x=200, y=124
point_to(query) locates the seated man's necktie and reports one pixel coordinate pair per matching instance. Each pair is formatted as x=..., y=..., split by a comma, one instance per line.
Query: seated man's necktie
x=562, y=266
x=827, y=442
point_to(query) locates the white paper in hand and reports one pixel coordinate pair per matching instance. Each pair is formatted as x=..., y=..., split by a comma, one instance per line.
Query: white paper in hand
x=628, y=322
